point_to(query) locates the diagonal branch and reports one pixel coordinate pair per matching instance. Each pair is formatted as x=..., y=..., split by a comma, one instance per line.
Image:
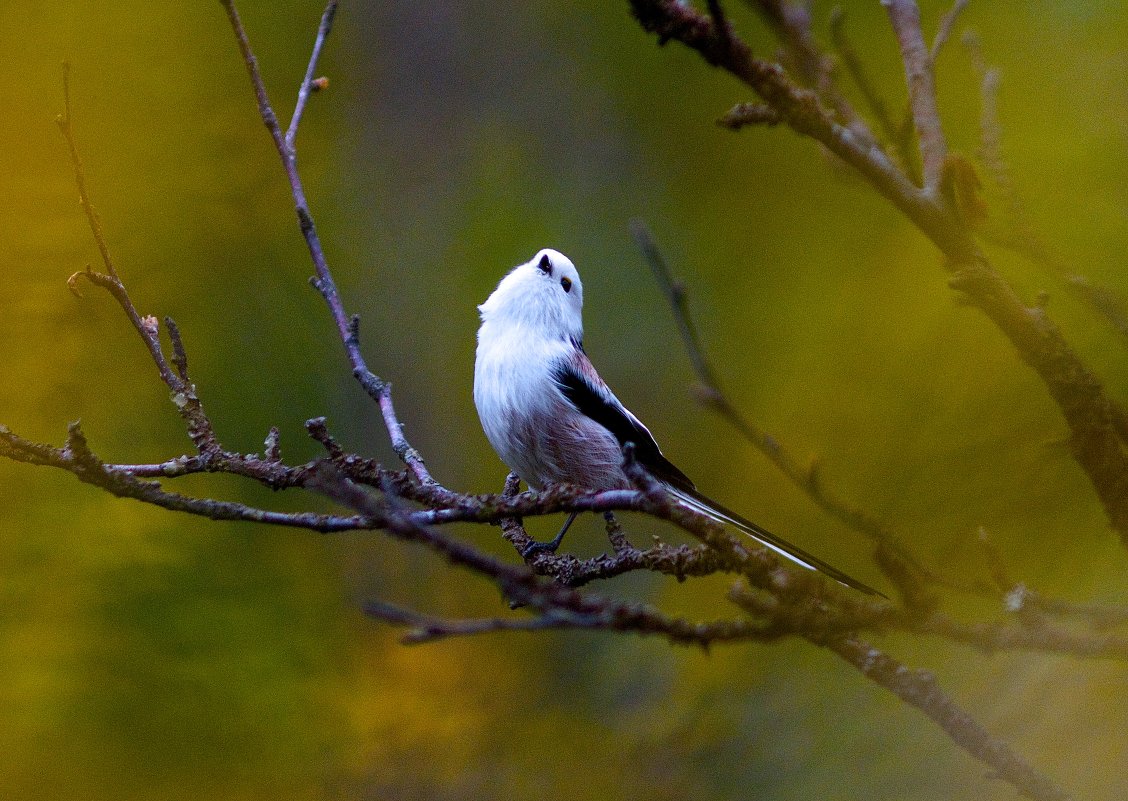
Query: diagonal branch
x=184, y=396
x=920, y=689
x=805, y=477
x=897, y=136
x=791, y=23
x=944, y=29
x=308, y=82
x=347, y=327
x=66, y=125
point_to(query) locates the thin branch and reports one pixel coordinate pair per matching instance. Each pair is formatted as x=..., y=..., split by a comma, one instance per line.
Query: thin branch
x=324, y=279
x=1021, y=630
x=897, y=135
x=77, y=458
x=1028, y=631
x=347, y=327
x=919, y=688
x=675, y=293
x=308, y=85
x=1098, y=616
x=944, y=29
x=633, y=618
x=184, y=396
x=905, y=18
x=710, y=393
x=791, y=23
x=1020, y=234
x=66, y=125
x=427, y=628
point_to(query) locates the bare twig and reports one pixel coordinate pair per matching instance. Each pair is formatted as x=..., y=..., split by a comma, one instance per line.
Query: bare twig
x=324, y=278
x=1018, y=231
x=1027, y=631
x=905, y=17
x=184, y=396
x=920, y=689
x=76, y=457
x=308, y=84
x=791, y=23
x=894, y=134
x=347, y=327
x=427, y=628
x=713, y=397
x=634, y=618
x=944, y=29
x=675, y=293
x=66, y=125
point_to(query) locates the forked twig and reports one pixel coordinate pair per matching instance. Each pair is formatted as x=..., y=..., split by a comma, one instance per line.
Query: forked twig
x=347, y=326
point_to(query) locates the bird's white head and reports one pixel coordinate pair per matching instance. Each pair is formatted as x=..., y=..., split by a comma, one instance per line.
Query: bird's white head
x=543, y=295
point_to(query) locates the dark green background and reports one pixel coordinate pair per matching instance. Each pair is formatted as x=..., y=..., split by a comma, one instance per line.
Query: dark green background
x=150, y=655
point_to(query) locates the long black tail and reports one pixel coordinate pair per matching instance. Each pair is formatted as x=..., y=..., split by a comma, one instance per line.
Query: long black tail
x=695, y=500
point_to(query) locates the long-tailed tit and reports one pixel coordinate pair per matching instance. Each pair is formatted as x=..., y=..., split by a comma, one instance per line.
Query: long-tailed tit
x=553, y=420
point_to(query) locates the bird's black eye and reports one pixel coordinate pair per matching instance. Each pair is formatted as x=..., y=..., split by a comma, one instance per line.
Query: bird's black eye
x=566, y=282
x=545, y=264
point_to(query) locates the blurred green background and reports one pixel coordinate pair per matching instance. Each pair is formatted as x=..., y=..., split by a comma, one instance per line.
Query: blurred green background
x=149, y=655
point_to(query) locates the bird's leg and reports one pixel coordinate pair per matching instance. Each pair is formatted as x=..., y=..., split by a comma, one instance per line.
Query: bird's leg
x=551, y=546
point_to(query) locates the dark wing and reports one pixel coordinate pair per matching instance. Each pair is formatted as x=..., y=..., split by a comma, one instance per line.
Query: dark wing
x=583, y=387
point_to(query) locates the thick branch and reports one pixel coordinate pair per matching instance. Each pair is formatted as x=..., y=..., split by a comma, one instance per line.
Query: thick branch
x=1093, y=419
x=710, y=393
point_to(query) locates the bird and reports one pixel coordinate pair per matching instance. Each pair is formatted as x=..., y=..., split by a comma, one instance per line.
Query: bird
x=553, y=420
